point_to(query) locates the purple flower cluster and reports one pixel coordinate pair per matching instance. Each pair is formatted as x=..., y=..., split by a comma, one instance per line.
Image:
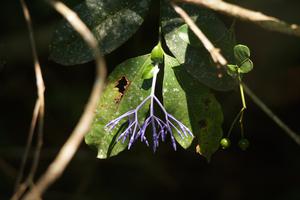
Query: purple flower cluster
x=160, y=127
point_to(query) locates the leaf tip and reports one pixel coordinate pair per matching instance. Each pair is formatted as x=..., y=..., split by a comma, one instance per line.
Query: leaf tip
x=101, y=154
x=198, y=151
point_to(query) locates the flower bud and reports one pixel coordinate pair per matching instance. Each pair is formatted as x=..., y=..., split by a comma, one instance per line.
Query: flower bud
x=157, y=54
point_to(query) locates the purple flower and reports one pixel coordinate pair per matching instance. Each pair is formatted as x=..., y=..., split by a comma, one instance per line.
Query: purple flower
x=160, y=127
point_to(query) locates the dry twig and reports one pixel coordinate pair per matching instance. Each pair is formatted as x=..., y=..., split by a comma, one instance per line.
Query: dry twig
x=38, y=114
x=69, y=149
x=214, y=52
x=267, y=22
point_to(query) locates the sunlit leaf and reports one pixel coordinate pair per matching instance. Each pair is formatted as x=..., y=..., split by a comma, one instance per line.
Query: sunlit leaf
x=246, y=66
x=232, y=68
x=188, y=50
x=124, y=91
x=194, y=105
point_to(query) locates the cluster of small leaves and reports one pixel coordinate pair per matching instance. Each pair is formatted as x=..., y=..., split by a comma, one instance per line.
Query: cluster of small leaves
x=243, y=63
x=187, y=79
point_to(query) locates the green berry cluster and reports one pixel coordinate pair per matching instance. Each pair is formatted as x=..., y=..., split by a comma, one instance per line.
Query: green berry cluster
x=243, y=143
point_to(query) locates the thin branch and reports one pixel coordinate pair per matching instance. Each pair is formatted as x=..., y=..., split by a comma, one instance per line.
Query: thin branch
x=269, y=112
x=265, y=21
x=214, y=52
x=28, y=144
x=38, y=113
x=57, y=167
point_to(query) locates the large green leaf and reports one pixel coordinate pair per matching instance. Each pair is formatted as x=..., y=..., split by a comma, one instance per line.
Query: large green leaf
x=187, y=48
x=194, y=105
x=124, y=91
x=112, y=21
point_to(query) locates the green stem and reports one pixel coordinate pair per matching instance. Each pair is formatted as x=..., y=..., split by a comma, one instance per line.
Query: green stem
x=241, y=122
x=242, y=92
x=244, y=105
x=159, y=34
x=234, y=122
x=159, y=23
x=240, y=115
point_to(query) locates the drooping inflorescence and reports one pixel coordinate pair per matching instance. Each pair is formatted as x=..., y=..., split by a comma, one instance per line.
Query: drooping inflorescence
x=161, y=127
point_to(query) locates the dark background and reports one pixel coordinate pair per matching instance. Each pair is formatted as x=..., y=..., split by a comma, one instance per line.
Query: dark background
x=270, y=169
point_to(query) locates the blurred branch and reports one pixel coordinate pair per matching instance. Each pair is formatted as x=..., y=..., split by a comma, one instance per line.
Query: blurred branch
x=38, y=114
x=256, y=100
x=269, y=112
x=214, y=52
x=20, y=188
x=69, y=149
x=265, y=21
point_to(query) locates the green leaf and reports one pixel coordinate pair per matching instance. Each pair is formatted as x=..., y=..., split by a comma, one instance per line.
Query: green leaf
x=124, y=91
x=246, y=66
x=112, y=22
x=188, y=50
x=232, y=68
x=183, y=33
x=194, y=105
x=241, y=53
x=148, y=72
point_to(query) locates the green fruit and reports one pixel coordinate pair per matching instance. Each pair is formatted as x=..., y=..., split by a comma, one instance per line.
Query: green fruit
x=225, y=143
x=157, y=54
x=244, y=144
